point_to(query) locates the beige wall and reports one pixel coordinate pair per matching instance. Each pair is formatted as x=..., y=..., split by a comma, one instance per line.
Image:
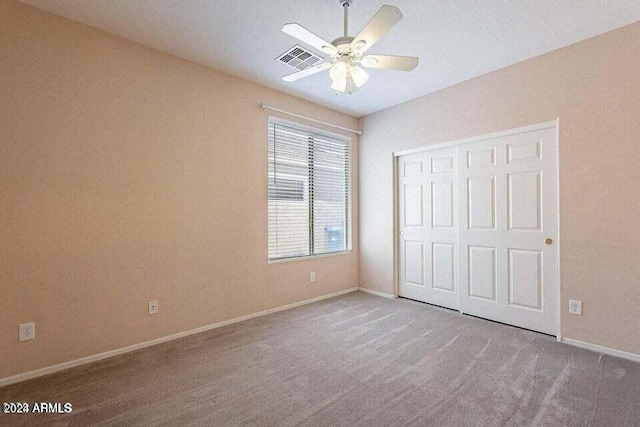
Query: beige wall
x=594, y=88
x=127, y=174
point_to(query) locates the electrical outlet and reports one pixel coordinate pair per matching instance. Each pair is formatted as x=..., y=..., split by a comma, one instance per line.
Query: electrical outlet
x=27, y=331
x=575, y=307
x=153, y=307
x=312, y=277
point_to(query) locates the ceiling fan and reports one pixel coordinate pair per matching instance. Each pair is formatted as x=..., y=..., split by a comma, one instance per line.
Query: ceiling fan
x=346, y=53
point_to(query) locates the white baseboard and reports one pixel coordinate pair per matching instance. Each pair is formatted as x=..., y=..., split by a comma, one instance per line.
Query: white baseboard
x=93, y=358
x=378, y=293
x=601, y=349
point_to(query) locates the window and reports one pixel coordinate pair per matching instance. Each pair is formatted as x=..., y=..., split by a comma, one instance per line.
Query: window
x=309, y=179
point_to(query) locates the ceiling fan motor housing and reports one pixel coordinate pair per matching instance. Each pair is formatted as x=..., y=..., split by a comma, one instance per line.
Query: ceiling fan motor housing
x=343, y=44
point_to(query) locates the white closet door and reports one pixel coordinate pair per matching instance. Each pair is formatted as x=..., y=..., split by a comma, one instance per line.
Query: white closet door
x=427, y=222
x=507, y=209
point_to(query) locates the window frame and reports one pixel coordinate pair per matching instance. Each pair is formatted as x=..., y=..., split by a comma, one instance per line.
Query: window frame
x=349, y=202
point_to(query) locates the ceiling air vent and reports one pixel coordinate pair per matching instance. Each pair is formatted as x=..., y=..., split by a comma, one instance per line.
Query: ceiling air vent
x=299, y=58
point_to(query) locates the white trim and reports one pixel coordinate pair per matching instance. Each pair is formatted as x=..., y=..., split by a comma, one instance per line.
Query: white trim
x=377, y=293
x=601, y=349
x=499, y=134
x=96, y=357
x=558, y=236
x=396, y=227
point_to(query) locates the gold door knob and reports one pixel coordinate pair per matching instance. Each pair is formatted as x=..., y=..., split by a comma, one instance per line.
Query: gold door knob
x=548, y=241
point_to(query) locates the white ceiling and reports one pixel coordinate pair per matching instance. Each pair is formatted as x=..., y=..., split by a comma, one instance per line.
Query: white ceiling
x=456, y=40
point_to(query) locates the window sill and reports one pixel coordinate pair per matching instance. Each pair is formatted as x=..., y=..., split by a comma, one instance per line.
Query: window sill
x=310, y=257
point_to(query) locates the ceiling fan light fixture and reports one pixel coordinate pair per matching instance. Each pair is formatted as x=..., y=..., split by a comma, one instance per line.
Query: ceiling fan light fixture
x=339, y=85
x=338, y=74
x=358, y=75
x=338, y=70
x=347, y=78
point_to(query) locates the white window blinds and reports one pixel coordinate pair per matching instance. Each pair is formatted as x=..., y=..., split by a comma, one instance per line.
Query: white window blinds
x=309, y=173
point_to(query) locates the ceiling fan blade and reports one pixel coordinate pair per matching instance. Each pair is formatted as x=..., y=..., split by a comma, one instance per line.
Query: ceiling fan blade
x=386, y=17
x=307, y=37
x=309, y=71
x=388, y=62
